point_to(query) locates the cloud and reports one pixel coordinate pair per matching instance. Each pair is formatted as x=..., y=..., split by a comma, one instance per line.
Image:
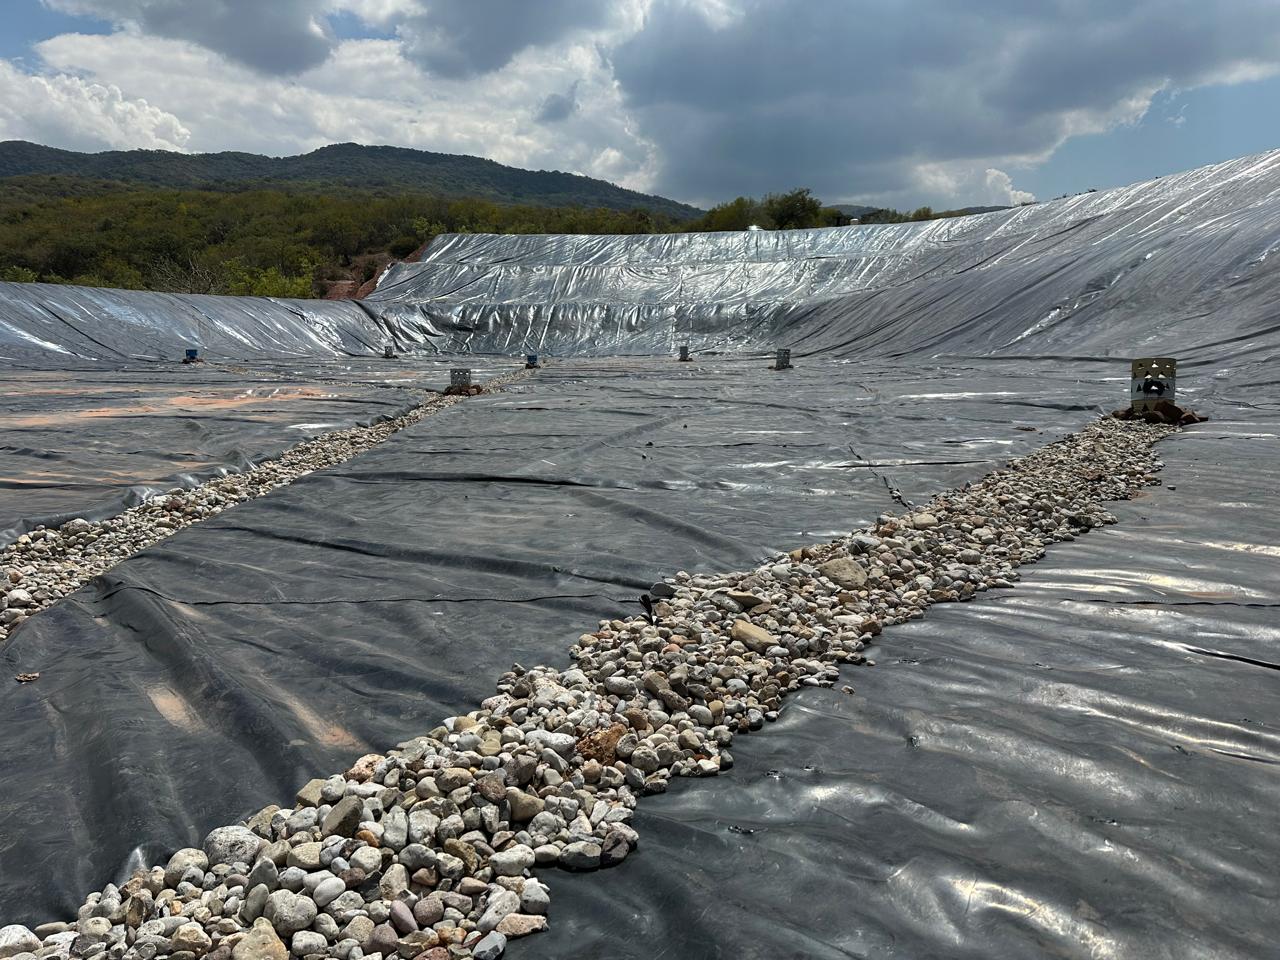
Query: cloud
x=1001, y=191
x=460, y=38
x=369, y=91
x=855, y=99
x=81, y=115
x=273, y=36
x=559, y=106
x=701, y=100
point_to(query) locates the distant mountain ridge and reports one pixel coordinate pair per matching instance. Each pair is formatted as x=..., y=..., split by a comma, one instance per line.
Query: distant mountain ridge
x=342, y=164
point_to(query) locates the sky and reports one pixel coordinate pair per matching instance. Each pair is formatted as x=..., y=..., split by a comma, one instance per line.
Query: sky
x=888, y=102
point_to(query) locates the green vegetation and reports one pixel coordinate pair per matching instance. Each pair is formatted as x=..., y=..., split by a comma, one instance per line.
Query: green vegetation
x=263, y=242
x=777, y=211
x=300, y=239
x=348, y=165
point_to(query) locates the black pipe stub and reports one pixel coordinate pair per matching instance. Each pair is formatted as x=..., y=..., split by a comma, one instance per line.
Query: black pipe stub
x=783, y=360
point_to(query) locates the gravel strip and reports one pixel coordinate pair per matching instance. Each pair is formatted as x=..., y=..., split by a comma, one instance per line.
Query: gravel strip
x=427, y=851
x=44, y=565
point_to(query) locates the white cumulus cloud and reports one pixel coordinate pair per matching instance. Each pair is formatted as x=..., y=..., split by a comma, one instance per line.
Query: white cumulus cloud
x=71, y=112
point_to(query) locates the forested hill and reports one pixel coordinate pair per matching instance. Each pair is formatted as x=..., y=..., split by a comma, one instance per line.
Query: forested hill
x=343, y=164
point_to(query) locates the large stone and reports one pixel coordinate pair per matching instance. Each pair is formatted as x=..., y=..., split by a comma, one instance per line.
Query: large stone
x=401, y=917
x=191, y=936
x=308, y=942
x=305, y=856
x=489, y=947
x=181, y=862
x=512, y=862
x=344, y=818
x=535, y=897
x=581, y=855
x=524, y=806
x=260, y=943
x=752, y=637
x=289, y=912
x=310, y=795
x=395, y=828
x=501, y=903
x=521, y=925
x=845, y=572
x=16, y=939
x=232, y=845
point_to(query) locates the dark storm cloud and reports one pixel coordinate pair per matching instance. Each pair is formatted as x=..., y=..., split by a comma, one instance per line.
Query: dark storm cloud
x=274, y=36
x=558, y=106
x=851, y=97
x=459, y=38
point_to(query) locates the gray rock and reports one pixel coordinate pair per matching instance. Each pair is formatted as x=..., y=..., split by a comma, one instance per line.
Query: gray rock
x=326, y=891
x=367, y=859
x=562, y=743
x=535, y=898
x=489, y=947
x=293, y=878
x=255, y=902
x=501, y=903
x=580, y=855
x=16, y=939
x=312, y=795
x=289, y=912
x=344, y=818
x=181, y=862
x=512, y=862
x=395, y=828
x=381, y=940
x=308, y=941
x=232, y=845
x=264, y=872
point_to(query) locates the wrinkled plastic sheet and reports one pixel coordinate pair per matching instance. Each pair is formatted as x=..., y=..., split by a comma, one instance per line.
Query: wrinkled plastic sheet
x=1081, y=767
x=90, y=442
x=68, y=327
x=1178, y=261
x=1048, y=771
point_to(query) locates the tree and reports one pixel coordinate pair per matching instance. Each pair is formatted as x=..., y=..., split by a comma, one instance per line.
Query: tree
x=795, y=210
x=16, y=274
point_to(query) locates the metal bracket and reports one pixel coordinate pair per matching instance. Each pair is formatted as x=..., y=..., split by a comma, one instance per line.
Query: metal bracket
x=1153, y=379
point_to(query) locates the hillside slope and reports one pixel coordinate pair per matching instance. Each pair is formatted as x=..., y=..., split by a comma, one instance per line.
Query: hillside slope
x=343, y=164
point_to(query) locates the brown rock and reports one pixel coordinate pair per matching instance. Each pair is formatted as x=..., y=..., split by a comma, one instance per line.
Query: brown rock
x=362, y=770
x=521, y=925
x=600, y=744
x=844, y=571
x=260, y=943
x=464, y=852
x=753, y=637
